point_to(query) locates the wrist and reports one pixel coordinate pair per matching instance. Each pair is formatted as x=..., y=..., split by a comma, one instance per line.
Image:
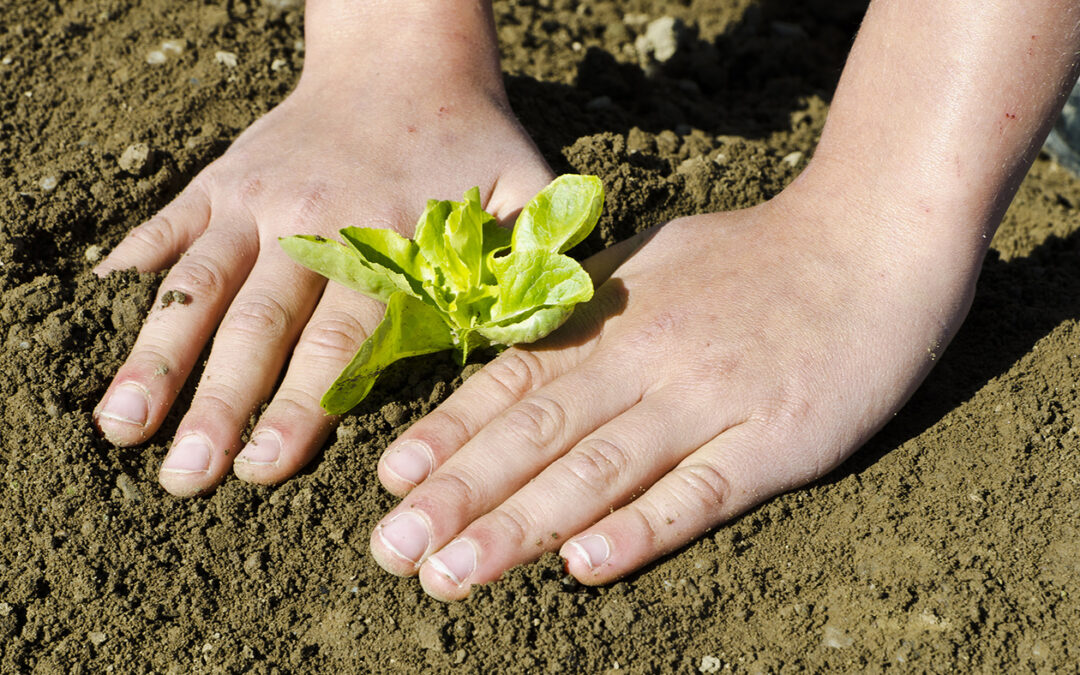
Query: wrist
x=906, y=212
x=445, y=44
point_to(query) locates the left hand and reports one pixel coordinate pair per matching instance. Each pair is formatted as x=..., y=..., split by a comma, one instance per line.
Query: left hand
x=731, y=357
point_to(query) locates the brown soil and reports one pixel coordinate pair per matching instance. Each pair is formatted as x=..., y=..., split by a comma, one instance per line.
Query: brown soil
x=951, y=542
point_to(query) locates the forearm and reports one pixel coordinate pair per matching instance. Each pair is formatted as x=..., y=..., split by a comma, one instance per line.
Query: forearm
x=941, y=109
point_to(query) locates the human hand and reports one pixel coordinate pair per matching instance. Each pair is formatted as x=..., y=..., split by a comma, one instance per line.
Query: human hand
x=350, y=146
x=730, y=358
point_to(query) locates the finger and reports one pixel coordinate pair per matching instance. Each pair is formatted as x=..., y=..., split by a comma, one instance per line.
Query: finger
x=189, y=305
x=249, y=351
x=159, y=242
x=526, y=438
x=293, y=427
x=502, y=383
x=603, y=471
x=721, y=480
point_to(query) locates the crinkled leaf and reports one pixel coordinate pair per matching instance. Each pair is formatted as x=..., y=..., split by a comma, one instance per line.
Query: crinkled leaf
x=339, y=263
x=464, y=238
x=386, y=249
x=430, y=232
x=527, y=327
x=496, y=241
x=561, y=215
x=409, y=328
x=531, y=279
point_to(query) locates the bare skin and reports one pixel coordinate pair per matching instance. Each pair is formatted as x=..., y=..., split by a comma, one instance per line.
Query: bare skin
x=727, y=357
x=434, y=123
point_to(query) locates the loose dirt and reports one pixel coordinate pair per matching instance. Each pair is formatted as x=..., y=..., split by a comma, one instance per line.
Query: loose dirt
x=950, y=542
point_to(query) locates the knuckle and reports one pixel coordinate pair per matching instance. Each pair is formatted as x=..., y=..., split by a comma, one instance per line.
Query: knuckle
x=536, y=420
x=216, y=398
x=150, y=357
x=657, y=333
x=155, y=234
x=259, y=317
x=249, y=189
x=516, y=371
x=463, y=488
x=198, y=273
x=597, y=462
x=295, y=403
x=440, y=420
x=703, y=487
x=782, y=415
x=311, y=204
x=334, y=338
x=511, y=524
x=649, y=534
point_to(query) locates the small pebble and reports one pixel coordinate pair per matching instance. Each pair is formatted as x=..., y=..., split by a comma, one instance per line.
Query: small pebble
x=156, y=57
x=6, y=60
x=5, y=609
x=661, y=39
x=96, y=637
x=47, y=184
x=92, y=253
x=836, y=638
x=128, y=488
x=278, y=64
x=792, y=159
x=227, y=59
x=710, y=664
x=135, y=158
x=174, y=47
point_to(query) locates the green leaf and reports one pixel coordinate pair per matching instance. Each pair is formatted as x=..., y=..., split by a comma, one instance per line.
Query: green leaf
x=339, y=263
x=409, y=328
x=561, y=215
x=388, y=250
x=527, y=327
x=531, y=279
x=430, y=232
x=464, y=237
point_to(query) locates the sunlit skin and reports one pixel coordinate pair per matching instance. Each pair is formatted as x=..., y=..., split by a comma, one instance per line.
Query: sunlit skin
x=725, y=358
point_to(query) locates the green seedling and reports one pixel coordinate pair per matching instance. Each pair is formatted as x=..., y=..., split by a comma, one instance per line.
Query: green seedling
x=463, y=282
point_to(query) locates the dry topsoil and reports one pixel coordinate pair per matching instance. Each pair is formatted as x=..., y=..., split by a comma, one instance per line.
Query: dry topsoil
x=952, y=541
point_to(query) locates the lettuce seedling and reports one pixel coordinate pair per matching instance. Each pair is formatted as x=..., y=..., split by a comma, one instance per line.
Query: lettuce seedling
x=463, y=282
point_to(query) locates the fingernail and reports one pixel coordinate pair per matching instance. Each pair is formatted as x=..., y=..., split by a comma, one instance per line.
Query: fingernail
x=411, y=461
x=128, y=403
x=456, y=560
x=406, y=535
x=594, y=549
x=190, y=454
x=263, y=448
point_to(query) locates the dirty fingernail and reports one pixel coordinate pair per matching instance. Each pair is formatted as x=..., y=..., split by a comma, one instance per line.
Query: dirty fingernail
x=129, y=403
x=263, y=448
x=594, y=549
x=190, y=454
x=411, y=461
x=406, y=535
x=457, y=560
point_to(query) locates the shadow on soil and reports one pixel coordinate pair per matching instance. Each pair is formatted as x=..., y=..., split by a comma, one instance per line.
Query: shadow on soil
x=1017, y=303
x=748, y=81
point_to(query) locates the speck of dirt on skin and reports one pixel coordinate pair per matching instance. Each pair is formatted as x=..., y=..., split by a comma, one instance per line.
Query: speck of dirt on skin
x=179, y=297
x=161, y=370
